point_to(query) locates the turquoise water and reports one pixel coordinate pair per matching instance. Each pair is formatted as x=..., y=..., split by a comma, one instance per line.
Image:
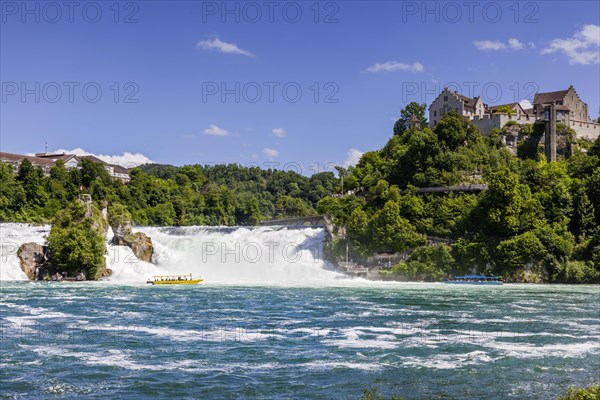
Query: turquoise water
x=110, y=341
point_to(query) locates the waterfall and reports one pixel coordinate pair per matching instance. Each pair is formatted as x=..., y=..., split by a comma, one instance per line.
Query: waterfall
x=12, y=236
x=256, y=255
x=267, y=255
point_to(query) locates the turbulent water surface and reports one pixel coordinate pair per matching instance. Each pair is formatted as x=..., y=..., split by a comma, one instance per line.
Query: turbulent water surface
x=306, y=333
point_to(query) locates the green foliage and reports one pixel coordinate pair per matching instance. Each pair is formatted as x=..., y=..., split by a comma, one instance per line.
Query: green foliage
x=76, y=242
x=118, y=214
x=589, y=393
x=578, y=272
x=565, y=140
x=391, y=231
x=474, y=252
x=166, y=195
x=430, y=263
x=534, y=214
x=519, y=251
x=402, y=125
x=529, y=147
x=455, y=131
x=504, y=110
x=507, y=207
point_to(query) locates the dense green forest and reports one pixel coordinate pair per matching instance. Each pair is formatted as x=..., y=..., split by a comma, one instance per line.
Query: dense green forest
x=166, y=195
x=538, y=215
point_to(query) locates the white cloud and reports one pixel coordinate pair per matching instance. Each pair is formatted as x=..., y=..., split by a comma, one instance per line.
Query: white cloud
x=352, y=157
x=214, y=130
x=515, y=44
x=582, y=48
x=279, y=132
x=127, y=159
x=223, y=47
x=392, y=66
x=270, y=153
x=495, y=45
x=489, y=45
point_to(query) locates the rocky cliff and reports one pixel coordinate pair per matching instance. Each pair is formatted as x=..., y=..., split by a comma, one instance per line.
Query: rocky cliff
x=120, y=222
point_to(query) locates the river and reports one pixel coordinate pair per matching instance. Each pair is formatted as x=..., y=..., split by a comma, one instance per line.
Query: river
x=286, y=330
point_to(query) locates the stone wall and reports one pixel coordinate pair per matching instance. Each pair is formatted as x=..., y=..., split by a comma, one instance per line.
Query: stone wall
x=489, y=122
x=589, y=130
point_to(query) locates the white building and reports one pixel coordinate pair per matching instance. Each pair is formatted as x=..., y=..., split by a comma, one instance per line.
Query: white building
x=46, y=161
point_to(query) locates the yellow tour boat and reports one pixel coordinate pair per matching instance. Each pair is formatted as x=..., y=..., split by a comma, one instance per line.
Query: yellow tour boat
x=174, y=280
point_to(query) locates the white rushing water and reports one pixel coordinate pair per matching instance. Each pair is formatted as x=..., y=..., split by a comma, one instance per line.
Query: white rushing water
x=262, y=255
x=241, y=254
x=11, y=237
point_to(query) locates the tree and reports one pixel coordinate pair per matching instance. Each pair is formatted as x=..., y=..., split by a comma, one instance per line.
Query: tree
x=393, y=232
x=454, y=131
x=428, y=263
x=288, y=207
x=584, y=219
x=12, y=195
x=504, y=110
x=507, y=205
x=342, y=172
x=31, y=179
x=515, y=253
x=406, y=114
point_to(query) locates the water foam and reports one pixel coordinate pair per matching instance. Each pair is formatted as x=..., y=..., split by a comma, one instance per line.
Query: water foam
x=245, y=255
x=262, y=255
x=12, y=236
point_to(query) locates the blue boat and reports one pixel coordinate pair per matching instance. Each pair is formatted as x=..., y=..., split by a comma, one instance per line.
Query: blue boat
x=474, y=280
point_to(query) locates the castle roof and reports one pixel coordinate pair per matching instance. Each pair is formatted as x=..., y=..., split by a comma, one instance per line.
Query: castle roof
x=469, y=102
x=549, y=97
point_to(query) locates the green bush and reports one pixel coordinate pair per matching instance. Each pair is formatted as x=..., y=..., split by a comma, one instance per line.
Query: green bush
x=118, y=214
x=429, y=263
x=590, y=393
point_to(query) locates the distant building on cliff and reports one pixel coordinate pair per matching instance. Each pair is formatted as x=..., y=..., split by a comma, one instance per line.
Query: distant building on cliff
x=47, y=160
x=570, y=110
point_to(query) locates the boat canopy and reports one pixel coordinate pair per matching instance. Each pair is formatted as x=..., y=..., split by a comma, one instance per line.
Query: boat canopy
x=475, y=277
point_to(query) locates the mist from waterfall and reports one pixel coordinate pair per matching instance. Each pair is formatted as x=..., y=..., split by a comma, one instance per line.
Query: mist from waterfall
x=260, y=255
x=229, y=255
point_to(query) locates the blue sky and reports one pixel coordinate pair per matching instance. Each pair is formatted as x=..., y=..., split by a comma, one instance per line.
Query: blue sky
x=162, y=69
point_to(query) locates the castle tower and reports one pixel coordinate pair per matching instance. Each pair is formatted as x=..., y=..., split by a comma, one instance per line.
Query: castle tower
x=414, y=122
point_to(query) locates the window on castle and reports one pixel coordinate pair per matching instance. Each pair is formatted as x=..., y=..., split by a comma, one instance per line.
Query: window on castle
x=435, y=113
x=445, y=98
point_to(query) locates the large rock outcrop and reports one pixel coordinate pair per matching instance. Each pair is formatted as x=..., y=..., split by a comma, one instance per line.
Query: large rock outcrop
x=33, y=259
x=120, y=222
x=140, y=244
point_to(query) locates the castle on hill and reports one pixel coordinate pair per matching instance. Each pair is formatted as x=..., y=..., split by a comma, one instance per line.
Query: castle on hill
x=568, y=107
